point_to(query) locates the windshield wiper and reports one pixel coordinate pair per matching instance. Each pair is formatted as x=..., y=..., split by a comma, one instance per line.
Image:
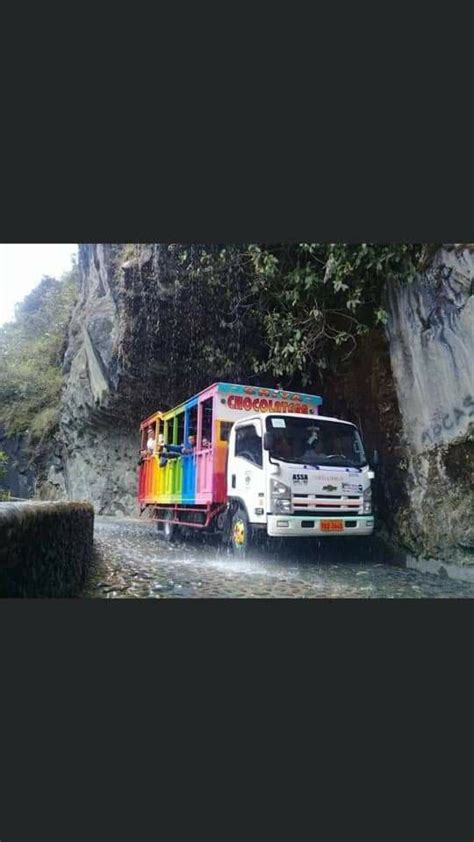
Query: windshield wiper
x=326, y=462
x=339, y=456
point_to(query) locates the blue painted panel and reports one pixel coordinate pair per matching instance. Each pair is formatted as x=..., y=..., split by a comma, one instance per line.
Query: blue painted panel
x=189, y=478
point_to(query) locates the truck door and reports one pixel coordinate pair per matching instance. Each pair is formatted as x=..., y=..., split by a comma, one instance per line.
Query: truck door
x=246, y=477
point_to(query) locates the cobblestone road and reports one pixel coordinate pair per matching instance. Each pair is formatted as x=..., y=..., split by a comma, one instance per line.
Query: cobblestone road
x=133, y=562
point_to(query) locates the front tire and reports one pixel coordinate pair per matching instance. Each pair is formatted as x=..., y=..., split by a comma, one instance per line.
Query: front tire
x=240, y=533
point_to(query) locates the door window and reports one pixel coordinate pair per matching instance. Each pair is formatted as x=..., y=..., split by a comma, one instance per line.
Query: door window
x=248, y=444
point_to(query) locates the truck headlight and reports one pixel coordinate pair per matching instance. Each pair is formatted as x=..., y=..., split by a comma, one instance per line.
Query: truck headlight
x=368, y=501
x=280, y=497
x=279, y=489
x=281, y=505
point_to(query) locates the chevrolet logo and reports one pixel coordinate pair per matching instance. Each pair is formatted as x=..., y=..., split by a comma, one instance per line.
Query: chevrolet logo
x=329, y=487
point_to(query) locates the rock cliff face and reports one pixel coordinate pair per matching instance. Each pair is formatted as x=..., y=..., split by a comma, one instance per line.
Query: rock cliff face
x=97, y=430
x=431, y=340
x=29, y=465
x=20, y=475
x=137, y=342
x=431, y=343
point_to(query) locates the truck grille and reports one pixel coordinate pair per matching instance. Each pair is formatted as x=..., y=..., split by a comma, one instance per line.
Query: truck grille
x=320, y=503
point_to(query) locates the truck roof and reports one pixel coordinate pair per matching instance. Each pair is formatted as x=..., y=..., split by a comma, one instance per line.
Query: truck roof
x=295, y=415
x=240, y=391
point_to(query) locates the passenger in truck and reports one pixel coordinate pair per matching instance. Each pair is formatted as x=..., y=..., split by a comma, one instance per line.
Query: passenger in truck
x=150, y=444
x=314, y=447
x=191, y=445
x=175, y=450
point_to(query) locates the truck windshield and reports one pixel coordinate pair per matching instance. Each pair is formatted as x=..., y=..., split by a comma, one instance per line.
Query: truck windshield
x=312, y=441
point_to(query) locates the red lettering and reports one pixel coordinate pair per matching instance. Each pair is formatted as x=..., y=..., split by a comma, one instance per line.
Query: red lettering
x=264, y=405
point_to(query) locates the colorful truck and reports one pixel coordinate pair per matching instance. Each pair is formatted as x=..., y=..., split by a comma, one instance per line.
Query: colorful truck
x=259, y=460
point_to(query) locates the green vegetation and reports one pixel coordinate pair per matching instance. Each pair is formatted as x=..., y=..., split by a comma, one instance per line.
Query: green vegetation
x=31, y=355
x=3, y=464
x=4, y=495
x=310, y=302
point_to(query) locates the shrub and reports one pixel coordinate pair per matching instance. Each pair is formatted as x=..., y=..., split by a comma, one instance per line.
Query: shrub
x=31, y=354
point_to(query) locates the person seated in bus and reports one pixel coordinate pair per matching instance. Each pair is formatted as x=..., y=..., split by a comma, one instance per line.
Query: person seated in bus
x=172, y=450
x=150, y=444
x=175, y=450
x=189, y=448
x=191, y=445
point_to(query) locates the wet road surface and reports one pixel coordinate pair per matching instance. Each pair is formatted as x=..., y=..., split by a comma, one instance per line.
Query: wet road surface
x=132, y=561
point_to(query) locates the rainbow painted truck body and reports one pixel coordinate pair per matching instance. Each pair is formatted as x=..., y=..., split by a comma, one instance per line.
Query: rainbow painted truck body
x=251, y=468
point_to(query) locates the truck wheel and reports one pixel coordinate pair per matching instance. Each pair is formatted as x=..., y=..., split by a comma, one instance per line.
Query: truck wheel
x=169, y=528
x=240, y=532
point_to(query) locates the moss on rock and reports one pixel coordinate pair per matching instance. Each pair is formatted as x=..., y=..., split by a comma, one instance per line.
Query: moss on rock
x=46, y=549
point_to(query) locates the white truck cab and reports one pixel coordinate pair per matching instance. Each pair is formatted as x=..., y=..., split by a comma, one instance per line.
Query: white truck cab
x=297, y=475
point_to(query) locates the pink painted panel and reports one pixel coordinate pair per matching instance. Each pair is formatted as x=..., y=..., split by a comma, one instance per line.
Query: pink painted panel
x=204, y=457
x=205, y=471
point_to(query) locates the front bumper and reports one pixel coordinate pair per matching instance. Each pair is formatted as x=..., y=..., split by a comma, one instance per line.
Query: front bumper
x=291, y=526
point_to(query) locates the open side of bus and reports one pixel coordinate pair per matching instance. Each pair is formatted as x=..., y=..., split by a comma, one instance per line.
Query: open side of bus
x=191, y=488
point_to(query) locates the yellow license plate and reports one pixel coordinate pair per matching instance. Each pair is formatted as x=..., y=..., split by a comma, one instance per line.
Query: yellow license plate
x=332, y=525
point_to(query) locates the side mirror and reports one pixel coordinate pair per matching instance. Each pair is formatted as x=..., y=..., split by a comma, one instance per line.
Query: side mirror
x=375, y=458
x=268, y=441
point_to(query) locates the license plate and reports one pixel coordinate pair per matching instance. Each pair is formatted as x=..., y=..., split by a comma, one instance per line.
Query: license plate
x=331, y=525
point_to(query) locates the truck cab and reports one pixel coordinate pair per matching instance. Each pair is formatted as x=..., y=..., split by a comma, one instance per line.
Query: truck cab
x=297, y=475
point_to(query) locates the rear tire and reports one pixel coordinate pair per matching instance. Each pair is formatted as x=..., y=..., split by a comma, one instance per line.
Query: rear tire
x=169, y=528
x=240, y=533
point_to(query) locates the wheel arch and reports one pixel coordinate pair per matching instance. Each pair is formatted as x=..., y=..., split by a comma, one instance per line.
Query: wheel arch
x=238, y=502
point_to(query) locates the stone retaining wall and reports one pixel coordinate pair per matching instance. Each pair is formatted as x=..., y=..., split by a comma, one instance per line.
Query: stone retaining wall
x=46, y=549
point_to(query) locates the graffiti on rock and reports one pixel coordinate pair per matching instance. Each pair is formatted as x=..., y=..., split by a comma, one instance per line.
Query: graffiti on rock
x=449, y=421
